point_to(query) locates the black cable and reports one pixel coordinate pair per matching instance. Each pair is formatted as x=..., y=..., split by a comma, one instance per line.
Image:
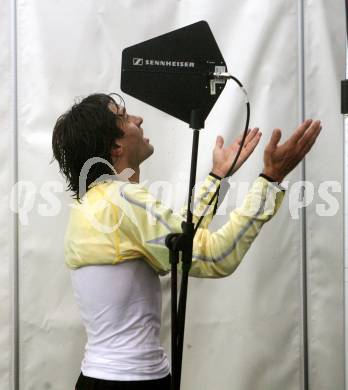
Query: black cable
x=230, y=171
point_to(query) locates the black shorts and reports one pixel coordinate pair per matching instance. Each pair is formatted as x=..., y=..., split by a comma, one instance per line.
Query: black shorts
x=87, y=383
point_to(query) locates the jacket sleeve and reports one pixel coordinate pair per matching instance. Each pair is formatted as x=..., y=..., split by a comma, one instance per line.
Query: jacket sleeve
x=215, y=254
x=201, y=205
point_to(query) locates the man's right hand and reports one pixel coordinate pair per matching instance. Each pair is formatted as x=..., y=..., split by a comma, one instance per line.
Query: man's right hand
x=279, y=160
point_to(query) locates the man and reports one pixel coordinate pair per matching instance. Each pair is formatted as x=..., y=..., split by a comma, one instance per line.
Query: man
x=114, y=243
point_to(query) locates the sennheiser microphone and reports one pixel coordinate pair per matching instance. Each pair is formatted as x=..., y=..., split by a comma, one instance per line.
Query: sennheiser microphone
x=176, y=72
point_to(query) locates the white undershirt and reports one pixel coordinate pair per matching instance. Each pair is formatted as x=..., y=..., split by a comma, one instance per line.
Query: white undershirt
x=120, y=306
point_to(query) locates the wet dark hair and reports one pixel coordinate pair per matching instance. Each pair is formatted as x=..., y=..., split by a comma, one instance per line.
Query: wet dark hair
x=89, y=129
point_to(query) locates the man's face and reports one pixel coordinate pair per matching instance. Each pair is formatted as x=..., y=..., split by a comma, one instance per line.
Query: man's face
x=134, y=147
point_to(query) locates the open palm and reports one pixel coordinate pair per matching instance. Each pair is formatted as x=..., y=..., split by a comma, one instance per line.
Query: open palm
x=223, y=157
x=281, y=159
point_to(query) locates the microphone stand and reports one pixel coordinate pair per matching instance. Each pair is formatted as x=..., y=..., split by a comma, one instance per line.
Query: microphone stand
x=197, y=43
x=183, y=242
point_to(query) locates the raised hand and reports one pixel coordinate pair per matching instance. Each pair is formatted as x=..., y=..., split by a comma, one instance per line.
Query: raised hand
x=279, y=160
x=223, y=157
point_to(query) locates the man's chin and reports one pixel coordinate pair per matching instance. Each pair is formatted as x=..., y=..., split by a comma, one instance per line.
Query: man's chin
x=149, y=152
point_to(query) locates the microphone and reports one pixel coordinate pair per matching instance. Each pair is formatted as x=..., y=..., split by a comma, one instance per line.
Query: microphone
x=176, y=72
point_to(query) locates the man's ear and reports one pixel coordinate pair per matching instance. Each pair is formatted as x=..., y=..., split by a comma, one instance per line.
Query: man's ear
x=116, y=150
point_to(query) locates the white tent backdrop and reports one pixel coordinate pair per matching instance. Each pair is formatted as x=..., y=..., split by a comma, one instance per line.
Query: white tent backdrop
x=6, y=172
x=244, y=332
x=325, y=49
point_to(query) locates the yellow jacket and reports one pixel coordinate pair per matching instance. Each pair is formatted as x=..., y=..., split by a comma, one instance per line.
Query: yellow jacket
x=118, y=221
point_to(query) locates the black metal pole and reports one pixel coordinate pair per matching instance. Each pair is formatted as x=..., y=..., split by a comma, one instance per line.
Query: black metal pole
x=347, y=18
x=187, y=255
x=344, y=83
x=183, y=242
x=174, y=259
